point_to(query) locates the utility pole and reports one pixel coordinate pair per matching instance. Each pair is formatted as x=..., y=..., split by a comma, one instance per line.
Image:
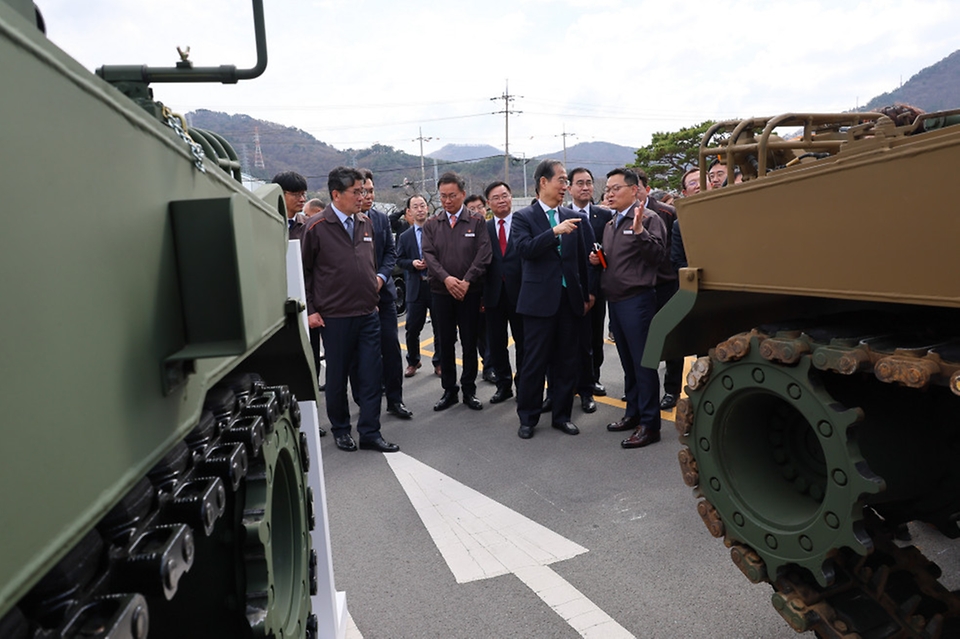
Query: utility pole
x=507, y=99
x=423, y=172
x=524, y=164
x=564, y=136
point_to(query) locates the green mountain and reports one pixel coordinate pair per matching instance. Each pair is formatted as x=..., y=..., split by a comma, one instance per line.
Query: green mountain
x=936, y=88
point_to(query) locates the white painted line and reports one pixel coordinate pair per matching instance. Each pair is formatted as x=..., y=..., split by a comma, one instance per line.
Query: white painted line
x=480, y=538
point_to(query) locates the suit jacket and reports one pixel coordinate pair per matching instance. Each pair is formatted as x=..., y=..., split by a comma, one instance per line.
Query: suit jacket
x=503, y=274
x=297, y=225
x=544, y=268
x=599, y=216
x=385, y=252
x=407, y=252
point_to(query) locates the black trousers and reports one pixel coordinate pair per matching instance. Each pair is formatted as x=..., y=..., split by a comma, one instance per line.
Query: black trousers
x=673, y=376
x=549, y=342
x=499, y=318
x=392, y=382
x=452, y=315
x=598, y=317
x=416, y=320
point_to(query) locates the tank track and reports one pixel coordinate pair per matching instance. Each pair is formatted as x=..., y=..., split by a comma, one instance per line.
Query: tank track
x=213, y=542
x=793, y=439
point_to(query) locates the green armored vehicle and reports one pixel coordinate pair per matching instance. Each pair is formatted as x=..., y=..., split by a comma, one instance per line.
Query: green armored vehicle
x=153, y=473
x=822, y=413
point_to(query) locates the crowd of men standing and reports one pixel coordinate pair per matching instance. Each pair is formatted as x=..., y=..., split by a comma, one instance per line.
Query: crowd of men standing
x=544, y=274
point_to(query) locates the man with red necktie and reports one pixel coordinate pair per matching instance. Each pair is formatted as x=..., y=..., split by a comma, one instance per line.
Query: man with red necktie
x=501, y=289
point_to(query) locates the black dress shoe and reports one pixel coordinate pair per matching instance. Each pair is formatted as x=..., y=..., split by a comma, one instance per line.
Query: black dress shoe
x=669, y=401
x=587, y=404
x=641, y=437
x=471, y=402
x=567, y=427
x=490, y=375
x=623, y=397
x=547, y=406
x=502, y=395
x=599, y=390
x=345, y=442
x=323, y=433
x=378, y=444
x=449, y=399
x=625, y=423
x=525, y=432
x=399, y=410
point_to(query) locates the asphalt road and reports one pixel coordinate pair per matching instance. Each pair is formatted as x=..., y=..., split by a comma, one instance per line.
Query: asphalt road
x=650, y=563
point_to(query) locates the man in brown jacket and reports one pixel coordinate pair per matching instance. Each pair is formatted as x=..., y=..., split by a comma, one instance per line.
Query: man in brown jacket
x=456, y=248
x=342, y=286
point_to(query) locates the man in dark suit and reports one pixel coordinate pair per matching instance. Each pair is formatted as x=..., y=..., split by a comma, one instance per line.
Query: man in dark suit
x=456, y=248
x=554, y=295
x=501, y=290
x=591, y=343
x=386, y=260
x=342, y=287
x=410, y=259
x=633, y=243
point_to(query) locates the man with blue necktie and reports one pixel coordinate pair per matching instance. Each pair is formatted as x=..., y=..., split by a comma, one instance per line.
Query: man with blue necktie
x=410, y=259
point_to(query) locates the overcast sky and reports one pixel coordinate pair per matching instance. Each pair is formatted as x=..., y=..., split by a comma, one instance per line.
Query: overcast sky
x=357, y=72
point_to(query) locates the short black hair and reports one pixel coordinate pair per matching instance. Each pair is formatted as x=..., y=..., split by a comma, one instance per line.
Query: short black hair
x=452, y=178
x=546, y=169
x=342, y=178
x=642, y=175
x=406, y=207
x=580, y=169
x=290, y=181
x=629, y=175
x=367, y=175
x=476, y=197
x=493, y=185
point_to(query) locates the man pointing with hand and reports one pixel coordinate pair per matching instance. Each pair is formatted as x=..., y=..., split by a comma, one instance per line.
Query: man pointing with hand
x=555, y=292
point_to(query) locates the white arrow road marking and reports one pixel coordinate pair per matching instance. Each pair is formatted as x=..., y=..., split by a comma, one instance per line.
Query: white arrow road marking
x=480, y=538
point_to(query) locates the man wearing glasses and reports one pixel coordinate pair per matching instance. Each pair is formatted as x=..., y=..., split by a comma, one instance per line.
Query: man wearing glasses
x=339, y=268
x=294, y=188
x=633, y=243
x=456, y=248
x=555, y=293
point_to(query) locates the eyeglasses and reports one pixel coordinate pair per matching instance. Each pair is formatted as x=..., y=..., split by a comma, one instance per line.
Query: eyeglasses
x=297, y=194
x=358, y=192
x=613, y=190
x=583, y=183
x=449, y=196
x=499, y=198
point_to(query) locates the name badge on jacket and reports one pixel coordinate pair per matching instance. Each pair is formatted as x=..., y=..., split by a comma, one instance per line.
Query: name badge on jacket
x=628, y=231
x=469, y=234
x=367, y=238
